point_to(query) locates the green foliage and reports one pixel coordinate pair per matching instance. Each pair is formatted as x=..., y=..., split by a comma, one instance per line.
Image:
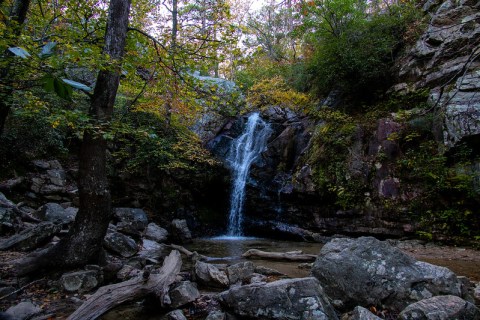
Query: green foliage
x=329, y=158
x=353, y=47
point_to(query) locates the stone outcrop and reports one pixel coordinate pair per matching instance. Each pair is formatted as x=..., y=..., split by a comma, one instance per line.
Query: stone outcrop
x=210, y=275
x=445, y=60
x=281, y=300
x=366, y=271
x=441, y=307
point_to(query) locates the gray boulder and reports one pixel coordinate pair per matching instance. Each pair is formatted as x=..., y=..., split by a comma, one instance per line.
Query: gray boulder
x=366, y=271
x=31, y=238
x=182, y=293
x=240, y=272
x=23, y=310
x=153, y=250
x=120, y=244
x=155, y=233
x=180, y=231
x=80, y=281
x=56, y=213
x=439, y=308
x=133, y=218
x=284, y=299
x=210, y=275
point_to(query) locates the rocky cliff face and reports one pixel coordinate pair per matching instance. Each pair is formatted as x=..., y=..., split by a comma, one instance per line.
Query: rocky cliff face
x=375, y=182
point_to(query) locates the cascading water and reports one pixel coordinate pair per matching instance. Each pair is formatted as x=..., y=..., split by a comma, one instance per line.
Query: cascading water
x=243, y=151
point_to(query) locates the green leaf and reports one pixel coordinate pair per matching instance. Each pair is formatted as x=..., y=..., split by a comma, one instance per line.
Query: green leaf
x=47, y=50
x=20, y=52
x=77, y=85
x=48, y=83
x=63, y=90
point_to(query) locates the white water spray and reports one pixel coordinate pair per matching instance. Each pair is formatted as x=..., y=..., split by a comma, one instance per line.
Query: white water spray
x=243, y=152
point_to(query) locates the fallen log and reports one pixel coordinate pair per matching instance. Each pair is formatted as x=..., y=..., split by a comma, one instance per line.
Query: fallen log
x=188, y=253
x=289, y=256
x=110, y=296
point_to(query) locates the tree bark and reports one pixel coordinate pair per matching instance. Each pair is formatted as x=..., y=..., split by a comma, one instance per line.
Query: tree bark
x=18, y=15
x=282, y=256
x=83, y=244
x=110, y=296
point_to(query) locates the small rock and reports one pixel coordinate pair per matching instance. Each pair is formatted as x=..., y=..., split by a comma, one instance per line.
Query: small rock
x=476, y=294
x=240, y=271
x=258, y=278
x=120, y=244
x=23, y=310
x=128, y=272
x=183, y=293
x=267, y=271
x=174, y=315
x=180, y=231
x=215, y=315
x=360, y=313
x=155, y=233
x=81, y=281
x=210, y=276
x=440, y=307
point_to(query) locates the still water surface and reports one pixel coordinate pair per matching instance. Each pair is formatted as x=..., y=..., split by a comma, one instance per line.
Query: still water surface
x=229, y=250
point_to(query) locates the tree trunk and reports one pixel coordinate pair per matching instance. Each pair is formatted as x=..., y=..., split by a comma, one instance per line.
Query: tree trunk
x=84, y=241
x=110, y=296
x=18, y=15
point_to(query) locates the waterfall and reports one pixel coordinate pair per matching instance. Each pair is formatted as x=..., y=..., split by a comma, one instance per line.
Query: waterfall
x=243, y=152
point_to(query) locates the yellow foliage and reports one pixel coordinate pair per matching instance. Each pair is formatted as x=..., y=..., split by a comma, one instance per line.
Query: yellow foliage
x=276, y=92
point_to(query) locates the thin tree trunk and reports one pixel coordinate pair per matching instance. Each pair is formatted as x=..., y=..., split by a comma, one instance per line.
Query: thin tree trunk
x=84, y=241
x=18, y=15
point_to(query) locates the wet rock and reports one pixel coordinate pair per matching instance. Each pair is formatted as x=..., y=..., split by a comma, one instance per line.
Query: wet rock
x=182, y=293
x=180, y=231
x=240, y=272
x=23, y=310
x=155, y=233
x=284, y=299
x=120, y=244
x=132, y=217
x=80, y=281
x=366, y=271
x=31, y=238
x=55, y=213
x=174, y=315
x=210, y=275
x=440, y=307
x=360, y=313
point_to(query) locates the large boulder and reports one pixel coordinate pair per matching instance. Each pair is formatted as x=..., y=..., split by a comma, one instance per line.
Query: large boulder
x=133, y=219
x=210, y=275
x=441, y=307
x=182, y=293
x=180, y=231
x=120, y=244
x=284, y=299
x=240, y=272
x=155, y=233
x=366, y=271
x=56, y=213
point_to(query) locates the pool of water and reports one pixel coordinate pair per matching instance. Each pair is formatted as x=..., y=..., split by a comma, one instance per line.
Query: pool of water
x=229, y=250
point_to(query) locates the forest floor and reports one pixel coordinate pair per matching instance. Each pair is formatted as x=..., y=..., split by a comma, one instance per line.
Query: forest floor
x=56, y=304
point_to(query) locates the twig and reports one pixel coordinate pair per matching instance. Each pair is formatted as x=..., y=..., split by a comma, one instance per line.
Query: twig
x=22, y=288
